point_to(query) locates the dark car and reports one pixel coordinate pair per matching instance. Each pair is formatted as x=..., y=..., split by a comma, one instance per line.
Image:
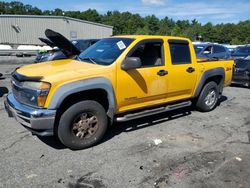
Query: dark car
x=242, y=72
x=210, y=50
x=62, y=47
x=241, y=52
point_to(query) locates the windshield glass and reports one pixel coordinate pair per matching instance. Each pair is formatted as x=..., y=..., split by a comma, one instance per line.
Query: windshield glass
x=81, y=44
x=198, y=48
x=105, y=51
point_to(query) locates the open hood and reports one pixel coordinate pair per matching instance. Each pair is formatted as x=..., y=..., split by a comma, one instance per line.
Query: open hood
x=62, y=43
x=48, y=42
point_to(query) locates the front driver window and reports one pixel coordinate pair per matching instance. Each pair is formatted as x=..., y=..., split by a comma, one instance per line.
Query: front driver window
x=150, y=53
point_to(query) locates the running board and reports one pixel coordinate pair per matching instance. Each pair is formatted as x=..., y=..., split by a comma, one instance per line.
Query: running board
x=144, y=113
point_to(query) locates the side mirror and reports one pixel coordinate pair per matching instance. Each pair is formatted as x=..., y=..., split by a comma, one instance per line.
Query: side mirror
x=131, y=63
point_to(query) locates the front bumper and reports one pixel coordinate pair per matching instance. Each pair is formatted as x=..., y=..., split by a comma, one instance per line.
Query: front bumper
x=38, y=121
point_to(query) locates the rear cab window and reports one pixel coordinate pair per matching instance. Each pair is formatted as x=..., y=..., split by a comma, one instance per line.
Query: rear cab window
x=180, y=52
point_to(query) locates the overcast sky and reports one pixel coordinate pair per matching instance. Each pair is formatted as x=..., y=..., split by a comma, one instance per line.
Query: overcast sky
x=215, y=11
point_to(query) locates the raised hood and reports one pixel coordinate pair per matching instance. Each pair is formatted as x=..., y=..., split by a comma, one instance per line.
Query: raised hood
x=58, y=70
x=62, y=43
x=48, y=42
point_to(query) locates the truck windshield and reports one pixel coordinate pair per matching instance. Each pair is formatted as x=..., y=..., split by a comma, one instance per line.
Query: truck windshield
x=105, y=51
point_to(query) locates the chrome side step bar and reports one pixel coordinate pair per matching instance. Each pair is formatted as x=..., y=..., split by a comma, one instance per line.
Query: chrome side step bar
x=144, y=113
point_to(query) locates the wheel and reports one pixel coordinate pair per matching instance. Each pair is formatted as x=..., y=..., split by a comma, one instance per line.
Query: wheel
x=82, y=125
x=208, y=98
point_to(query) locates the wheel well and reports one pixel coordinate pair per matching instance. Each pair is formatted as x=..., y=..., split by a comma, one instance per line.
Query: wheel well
x=98, y=95
x=217, y=79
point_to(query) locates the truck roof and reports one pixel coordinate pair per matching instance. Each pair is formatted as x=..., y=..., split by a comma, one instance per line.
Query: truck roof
x=150, y=36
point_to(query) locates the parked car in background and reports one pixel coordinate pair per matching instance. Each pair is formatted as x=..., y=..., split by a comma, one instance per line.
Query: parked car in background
x=241, y=52
x=231, y=48
x=62, y=48
x=210, y=50
x=242, y=72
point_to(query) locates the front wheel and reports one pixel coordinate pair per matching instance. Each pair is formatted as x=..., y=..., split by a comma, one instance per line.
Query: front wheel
x=82, y=125
x=208, y=98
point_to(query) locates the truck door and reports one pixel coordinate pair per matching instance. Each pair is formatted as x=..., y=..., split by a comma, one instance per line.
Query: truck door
x=146, y=85
x=182, y=73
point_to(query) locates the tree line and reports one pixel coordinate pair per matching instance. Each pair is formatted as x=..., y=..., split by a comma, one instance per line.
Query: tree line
x=128, y=23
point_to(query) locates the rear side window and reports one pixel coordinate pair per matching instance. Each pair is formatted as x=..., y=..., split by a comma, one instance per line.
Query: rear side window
x=219, y=49
x=180, y=53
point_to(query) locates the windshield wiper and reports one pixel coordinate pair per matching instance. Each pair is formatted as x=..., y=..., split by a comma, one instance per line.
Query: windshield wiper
x=91, y=59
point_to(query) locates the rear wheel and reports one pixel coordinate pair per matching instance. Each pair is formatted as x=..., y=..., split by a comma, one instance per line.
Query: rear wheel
x=208, y=98
x=82, y=125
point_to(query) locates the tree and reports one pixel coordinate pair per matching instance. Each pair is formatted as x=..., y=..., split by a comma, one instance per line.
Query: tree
x=235, y=41
x=90, y=15
x=152, y=24
x=176, y=31
x=57, y=12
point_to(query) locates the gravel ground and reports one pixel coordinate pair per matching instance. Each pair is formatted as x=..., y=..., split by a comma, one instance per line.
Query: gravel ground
x=194, y=150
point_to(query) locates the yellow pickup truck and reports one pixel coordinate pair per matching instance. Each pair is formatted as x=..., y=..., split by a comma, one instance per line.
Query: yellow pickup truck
x=119, y=79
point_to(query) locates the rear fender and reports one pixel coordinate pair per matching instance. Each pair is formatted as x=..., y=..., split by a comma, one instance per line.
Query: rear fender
x=208, y=75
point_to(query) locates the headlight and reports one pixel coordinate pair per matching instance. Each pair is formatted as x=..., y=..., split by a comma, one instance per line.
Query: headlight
x=42, y=89
x=36, y=85
x=32, y=93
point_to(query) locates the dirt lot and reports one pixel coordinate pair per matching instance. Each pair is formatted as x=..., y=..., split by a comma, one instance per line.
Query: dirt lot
x=197, y=150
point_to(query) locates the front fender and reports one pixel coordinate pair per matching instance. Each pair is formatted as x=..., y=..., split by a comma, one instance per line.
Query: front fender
x=83, y=85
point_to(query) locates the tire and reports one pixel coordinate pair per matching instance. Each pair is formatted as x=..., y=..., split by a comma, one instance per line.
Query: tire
x=208, y=98
x=82, y=125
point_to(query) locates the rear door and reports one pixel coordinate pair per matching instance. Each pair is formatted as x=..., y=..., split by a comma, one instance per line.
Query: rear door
x=182, y=73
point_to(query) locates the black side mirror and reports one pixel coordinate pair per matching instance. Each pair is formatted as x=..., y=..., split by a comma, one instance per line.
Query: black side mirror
x=131, y=63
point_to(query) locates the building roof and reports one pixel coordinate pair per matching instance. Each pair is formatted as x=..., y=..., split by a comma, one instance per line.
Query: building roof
x=52, y=17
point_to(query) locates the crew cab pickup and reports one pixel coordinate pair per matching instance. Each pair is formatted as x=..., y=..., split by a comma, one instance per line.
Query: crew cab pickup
x=117, y=79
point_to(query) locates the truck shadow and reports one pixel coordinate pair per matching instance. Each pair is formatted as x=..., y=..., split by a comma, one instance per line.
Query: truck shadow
x=52, y=141
x=137, y=124
x=222, y=99
x=3, y=90
x=239, y=86
x=133, y=125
